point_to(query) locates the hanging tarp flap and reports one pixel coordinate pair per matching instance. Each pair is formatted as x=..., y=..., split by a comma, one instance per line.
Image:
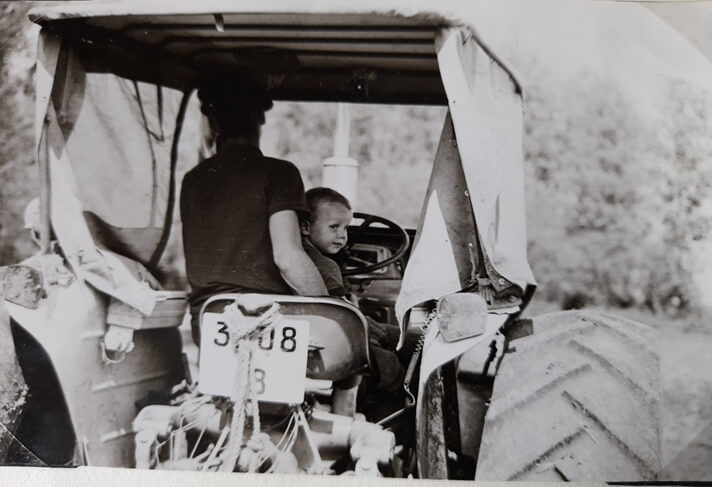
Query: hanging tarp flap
x=108, y=155
x=47, y=55
x=444, y=256
x=122, y=178
x=482, y=177
x=103, y=270
x=487, y=115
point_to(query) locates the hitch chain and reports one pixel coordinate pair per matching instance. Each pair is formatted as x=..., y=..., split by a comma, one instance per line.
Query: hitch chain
x=410, y=399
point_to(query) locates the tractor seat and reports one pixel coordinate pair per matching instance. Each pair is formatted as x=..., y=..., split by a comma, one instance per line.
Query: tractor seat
x=338, y=331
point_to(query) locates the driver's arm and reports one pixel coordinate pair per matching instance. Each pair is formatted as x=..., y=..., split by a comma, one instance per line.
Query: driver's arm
x=295, y=266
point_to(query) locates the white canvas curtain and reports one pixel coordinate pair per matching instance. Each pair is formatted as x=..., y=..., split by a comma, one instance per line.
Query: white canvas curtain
x=477, y=174
x=94, y=138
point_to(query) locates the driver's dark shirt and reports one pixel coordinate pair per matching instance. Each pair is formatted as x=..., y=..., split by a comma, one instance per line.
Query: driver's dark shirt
x=225, y=205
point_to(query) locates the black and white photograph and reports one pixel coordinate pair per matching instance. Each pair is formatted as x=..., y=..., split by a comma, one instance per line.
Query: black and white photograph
x=384, y=239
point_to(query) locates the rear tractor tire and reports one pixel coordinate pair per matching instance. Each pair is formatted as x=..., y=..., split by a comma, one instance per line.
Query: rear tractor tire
x=576, y=400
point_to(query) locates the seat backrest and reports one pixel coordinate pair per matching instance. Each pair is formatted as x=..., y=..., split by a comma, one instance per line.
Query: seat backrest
x=338, y=332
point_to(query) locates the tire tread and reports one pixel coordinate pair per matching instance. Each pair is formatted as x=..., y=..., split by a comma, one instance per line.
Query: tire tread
x=577, y=400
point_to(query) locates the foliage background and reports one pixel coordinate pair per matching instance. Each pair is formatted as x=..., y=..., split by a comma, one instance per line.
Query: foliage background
x=17, y=172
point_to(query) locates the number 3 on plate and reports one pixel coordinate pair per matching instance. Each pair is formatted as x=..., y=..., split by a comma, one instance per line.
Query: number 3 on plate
x=222, y=337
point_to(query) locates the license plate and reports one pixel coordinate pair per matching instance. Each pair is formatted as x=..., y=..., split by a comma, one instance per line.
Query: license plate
x=280, y=360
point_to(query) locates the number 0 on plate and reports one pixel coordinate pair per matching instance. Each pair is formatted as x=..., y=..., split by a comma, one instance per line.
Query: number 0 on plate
x=280, y=360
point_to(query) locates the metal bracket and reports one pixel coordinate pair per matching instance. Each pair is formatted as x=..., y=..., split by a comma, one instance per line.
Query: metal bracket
x=481, y=361
x=118, y=340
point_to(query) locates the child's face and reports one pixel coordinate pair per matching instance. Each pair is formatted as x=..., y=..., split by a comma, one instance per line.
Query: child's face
x=327, y=230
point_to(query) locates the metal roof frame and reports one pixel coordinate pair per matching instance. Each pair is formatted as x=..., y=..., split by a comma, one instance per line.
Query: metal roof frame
x=320, y=51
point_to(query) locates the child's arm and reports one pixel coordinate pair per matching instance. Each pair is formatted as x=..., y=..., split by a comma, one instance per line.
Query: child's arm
x=296, y=268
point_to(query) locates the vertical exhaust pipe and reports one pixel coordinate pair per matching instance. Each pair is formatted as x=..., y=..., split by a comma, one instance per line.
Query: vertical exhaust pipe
x=340, y=172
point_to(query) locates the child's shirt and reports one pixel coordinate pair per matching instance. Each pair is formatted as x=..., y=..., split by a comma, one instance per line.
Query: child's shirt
x=387, y=369
x=328, y=269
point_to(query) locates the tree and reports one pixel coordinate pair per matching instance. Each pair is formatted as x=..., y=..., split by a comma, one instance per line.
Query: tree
x=15, y=174
x=615, y=196
x=17, y=171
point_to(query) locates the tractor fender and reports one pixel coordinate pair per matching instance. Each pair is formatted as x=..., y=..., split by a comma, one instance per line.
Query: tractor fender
x=454, y=372
x=12, y=384
x=69, y=324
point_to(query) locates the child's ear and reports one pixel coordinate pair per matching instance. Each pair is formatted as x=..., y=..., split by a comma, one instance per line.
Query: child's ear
x=304, y=227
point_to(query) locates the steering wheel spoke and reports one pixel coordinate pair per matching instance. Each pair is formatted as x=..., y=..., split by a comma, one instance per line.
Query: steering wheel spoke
x=357, y=260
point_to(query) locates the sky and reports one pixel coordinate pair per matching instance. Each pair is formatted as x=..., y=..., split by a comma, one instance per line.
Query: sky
x=622, y=41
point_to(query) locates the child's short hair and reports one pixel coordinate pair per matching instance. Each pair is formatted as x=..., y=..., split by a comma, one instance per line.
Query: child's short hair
x=316, y=196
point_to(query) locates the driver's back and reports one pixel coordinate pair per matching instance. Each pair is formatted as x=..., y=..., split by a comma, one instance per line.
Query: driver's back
x=226, y=202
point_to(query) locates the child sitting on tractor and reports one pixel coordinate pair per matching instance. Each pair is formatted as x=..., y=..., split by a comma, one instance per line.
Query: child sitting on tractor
x=323, y=235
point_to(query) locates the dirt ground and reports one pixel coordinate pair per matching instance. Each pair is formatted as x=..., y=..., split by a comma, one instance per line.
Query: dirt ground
x=686, y=375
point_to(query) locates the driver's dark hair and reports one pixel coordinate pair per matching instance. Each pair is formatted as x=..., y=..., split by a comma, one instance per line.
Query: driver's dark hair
x=317, y=196
x=237, y=102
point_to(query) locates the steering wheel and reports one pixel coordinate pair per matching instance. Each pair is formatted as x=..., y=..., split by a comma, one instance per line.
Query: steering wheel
x=361, y=266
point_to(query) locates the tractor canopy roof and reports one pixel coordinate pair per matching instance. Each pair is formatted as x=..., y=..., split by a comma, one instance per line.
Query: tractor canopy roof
x=374, y=51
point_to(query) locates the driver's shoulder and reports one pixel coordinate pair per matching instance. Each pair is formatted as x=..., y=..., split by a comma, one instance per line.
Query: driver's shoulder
x=207, y=165
x=278, y=165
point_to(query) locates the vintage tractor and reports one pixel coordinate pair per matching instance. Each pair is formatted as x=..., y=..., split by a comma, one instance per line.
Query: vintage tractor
x=487, y=395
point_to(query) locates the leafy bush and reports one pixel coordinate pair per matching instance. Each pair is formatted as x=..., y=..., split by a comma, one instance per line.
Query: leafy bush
x=615, y=197
x=18, y=175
